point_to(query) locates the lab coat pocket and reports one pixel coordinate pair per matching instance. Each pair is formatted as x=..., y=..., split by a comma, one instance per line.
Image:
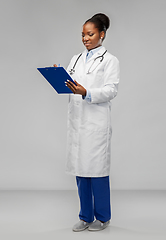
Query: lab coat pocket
x=97, y=117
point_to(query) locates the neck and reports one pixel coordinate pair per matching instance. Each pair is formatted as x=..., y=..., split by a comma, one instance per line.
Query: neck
x=94, y=48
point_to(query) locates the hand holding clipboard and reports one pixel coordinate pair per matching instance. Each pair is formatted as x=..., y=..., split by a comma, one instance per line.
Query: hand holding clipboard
x=57, y=77
x=61, y=81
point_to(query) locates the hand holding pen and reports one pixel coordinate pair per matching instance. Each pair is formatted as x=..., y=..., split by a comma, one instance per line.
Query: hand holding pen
x=54, y=65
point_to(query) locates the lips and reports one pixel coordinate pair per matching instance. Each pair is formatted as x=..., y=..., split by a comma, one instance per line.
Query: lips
x=86, y=44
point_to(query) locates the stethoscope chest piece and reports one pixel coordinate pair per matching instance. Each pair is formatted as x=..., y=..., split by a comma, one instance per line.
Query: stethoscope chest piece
x=72, y=71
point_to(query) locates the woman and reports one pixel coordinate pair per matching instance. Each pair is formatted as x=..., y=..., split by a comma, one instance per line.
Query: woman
x=96, y=74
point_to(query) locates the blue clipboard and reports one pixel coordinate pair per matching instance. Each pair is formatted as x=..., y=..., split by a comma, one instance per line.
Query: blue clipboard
x=57, y=76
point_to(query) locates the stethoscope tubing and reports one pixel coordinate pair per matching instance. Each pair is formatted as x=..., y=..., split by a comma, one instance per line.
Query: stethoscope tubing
x=72, y=70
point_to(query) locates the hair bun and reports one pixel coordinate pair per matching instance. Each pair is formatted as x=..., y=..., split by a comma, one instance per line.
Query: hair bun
x=103, y=18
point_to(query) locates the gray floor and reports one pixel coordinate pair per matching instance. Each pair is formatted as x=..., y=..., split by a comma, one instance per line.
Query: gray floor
x=51, y=214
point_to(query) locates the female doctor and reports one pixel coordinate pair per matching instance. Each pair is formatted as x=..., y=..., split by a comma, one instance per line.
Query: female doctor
x=96, y=74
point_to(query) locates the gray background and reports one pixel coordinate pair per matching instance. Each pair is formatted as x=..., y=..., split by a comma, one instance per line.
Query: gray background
x=33, y=116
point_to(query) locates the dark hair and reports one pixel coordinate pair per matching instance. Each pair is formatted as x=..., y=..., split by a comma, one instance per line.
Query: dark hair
x=101, y=21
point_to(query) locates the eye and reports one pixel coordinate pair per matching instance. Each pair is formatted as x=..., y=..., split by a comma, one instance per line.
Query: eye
x=91, y=34
x=83, y=35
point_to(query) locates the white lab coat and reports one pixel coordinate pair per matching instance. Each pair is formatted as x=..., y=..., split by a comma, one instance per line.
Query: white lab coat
x=89, y=123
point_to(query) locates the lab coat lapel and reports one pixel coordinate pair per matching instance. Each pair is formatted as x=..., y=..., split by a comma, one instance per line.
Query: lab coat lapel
x=99, y=53
x=84, y=56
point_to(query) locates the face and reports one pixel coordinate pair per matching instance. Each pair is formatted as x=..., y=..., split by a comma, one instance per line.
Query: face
x=91, y=37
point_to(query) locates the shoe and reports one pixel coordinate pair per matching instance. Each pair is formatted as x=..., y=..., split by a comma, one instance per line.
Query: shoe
x=97, y=225
x=80, y=226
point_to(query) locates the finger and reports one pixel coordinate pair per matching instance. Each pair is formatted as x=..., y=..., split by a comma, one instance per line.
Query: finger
x=71, y=87
x=72, y=84
x=76, y=82
x=69, y=84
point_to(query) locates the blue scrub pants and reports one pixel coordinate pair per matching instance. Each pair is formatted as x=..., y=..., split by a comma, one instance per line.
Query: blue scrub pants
x=94, y=194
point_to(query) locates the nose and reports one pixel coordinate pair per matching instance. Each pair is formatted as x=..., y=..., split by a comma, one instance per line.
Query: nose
x=85, y=38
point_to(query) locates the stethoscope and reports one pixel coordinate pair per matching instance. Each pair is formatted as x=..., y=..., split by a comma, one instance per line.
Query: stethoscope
x=72, y=70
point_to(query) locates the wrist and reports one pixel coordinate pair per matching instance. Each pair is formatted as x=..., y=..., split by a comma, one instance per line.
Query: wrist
x=84, y=93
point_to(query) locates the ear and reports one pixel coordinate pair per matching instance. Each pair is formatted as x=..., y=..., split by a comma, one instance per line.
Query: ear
x=102, y=34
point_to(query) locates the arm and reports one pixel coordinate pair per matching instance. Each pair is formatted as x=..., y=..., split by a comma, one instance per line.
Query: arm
x=110, y=86
x=111, y=81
